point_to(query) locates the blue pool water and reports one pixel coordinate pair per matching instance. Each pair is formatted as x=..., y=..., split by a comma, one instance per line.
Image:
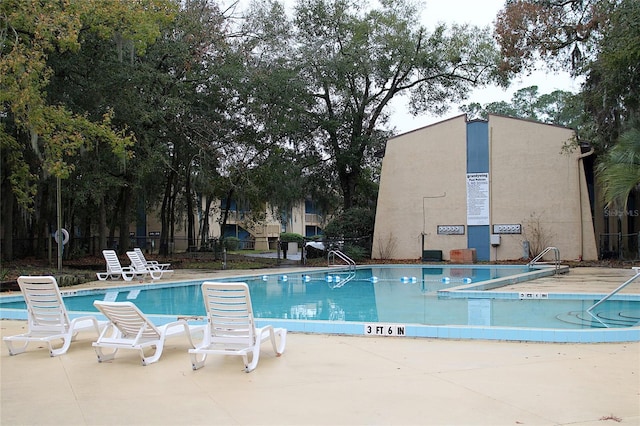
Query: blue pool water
x=415, y=299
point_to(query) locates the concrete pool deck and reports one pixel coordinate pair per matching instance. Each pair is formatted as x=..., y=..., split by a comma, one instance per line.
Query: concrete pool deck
x=337, y=380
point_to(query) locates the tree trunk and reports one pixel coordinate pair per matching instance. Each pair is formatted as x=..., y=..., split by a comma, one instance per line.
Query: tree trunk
x=225, y=215
x=163, y=250
x=348, y=184
x=204, y=228
x=123, y=221
x=102, y=226
x=167, y=213
x=191, y=227
x=6, y=210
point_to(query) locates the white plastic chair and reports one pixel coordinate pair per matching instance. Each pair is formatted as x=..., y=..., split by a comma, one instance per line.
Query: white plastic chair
x=114, y=269
x=129, y=328
x=231, y=328
x=48, y=320
x=142, y=269
x=151, y=263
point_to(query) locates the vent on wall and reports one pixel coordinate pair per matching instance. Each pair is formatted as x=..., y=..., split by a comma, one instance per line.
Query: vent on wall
x=450, y=229
x=507, y=229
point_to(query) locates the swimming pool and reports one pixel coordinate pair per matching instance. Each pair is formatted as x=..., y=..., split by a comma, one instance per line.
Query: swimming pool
x=401, y=300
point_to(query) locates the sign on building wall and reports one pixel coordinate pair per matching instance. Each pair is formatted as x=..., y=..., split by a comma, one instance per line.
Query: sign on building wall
x=477, y=199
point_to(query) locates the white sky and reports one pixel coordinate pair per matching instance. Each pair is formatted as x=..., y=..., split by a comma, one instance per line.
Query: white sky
x=480, y=13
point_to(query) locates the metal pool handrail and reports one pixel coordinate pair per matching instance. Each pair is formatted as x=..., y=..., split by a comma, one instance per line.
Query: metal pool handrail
x=337, y=253
x=342, y=282
x=556, y=260
x=608, y=296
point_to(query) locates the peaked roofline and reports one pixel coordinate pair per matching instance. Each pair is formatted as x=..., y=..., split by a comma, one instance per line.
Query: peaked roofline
x=476, y=120
x=428, y=125
x=528, y=120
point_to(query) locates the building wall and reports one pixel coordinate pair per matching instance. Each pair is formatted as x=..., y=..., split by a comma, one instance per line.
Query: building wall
x=532, y=183
x=422, y=185
x=537, y=184
x=263, y=234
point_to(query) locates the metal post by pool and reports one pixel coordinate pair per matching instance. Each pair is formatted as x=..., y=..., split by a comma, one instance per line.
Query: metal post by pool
x=636, y=269
x=59, y=222
x=224, y=258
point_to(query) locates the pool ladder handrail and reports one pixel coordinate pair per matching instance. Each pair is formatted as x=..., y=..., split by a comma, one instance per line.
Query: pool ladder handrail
x=331, y=257
x=556, y=260
x=351, y=276
x=608, y=296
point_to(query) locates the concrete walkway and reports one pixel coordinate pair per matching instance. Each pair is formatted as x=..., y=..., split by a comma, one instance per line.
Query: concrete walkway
x=329, y=380
x=334, y=380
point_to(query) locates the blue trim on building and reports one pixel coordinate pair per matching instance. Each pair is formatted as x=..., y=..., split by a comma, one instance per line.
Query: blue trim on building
x=478, y=237
x=478, y=147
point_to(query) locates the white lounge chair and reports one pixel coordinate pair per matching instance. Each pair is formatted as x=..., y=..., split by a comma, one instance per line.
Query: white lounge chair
x=129, y=328
x=48, y=320
x=142, y=269
x=114, y=269
x=231, y=328
x=153, y=263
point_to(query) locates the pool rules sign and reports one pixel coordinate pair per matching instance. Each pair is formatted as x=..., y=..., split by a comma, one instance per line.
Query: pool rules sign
x=378, y=329
x=477, y=199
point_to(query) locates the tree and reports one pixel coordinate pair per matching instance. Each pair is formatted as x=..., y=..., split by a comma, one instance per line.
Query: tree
x=619, y=171
x=40, y=136
x=559, y=33
x=354, y=60
x=600, y=40
x=612, y=87
x=596, y=38
x=558, y=107
x=34, y=29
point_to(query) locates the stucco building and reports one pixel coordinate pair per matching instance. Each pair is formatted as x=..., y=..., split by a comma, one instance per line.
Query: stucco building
x=505, y=187
x=302, y=218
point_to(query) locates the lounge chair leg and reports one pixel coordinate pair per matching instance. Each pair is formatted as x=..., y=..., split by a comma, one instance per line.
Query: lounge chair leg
x=196, y=363
x=16, y=350
x=255, y=356
x=151, y=359
x=105, y=357
x=282, y=332
x=66, y=342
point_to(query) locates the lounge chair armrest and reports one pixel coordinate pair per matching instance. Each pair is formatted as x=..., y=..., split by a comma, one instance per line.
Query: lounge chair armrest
x=85, y=322
x=186, y=329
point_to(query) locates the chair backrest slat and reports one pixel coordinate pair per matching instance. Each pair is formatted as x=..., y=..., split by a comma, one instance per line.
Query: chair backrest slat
x=45, y=308
x=113, y=263
x=229, y=312
x=140, y=254
x=128, y=319
x=136, y=262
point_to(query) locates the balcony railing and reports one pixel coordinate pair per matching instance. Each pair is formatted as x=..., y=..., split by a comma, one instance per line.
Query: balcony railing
x=313, y=219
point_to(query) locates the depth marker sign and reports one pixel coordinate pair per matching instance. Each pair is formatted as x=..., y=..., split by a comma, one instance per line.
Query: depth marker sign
x=378, y=329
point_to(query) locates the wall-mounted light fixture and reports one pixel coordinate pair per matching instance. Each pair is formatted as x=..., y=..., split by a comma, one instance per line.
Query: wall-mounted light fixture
x=450, y=229
x=507, y=229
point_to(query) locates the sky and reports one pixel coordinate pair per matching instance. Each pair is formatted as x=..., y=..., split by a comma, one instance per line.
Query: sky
x=480, y=13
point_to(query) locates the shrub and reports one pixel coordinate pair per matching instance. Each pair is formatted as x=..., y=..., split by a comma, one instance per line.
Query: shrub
x=356, y=222
x=291, y=237
x=314, y=253
x=354, y=226
x=356, y=253
x=232, y=243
